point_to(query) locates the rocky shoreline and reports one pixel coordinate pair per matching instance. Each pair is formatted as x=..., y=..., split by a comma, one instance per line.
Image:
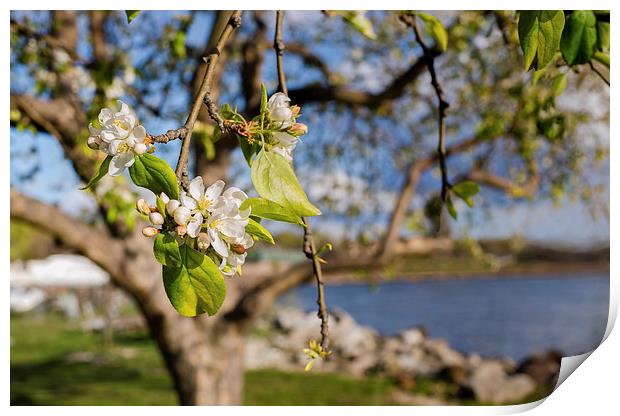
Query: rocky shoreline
x=406, y=358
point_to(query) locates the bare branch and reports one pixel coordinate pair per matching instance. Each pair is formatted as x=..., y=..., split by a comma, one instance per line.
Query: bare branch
x=309, y=247
x=179, y=133
x=317, y=93
x=442, y=105
x=278, y=46
x=94, y=243
x=204, y=95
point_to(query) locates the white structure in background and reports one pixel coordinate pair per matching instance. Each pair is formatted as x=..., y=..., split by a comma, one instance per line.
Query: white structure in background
x=32, y=279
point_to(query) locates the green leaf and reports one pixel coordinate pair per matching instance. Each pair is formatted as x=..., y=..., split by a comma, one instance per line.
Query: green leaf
x=579, y=39
x=264, y=208
x=436, y=29
x=602, y=58
x=196, y=286
x=358, y=21
x=466, y=190
x=263, y=98
x=274, y=179
x=247, y=149
x=540, y=32
x=451, y=208
x=602, y=37
x=256, y=230
x=178, y=45
x=166, y=250
x=559, y=84
x=103, y=170
x=155, y=174
x=131, y=15
x=161, y=206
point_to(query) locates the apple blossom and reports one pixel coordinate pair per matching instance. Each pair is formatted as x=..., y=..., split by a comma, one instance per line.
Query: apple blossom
x=279, y=111
x=150, y=231
x=120, y=136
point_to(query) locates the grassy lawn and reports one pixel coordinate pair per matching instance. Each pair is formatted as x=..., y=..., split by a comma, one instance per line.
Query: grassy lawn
x=54, y=363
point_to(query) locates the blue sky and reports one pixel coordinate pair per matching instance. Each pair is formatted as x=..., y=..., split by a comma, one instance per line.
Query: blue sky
x=570, y=223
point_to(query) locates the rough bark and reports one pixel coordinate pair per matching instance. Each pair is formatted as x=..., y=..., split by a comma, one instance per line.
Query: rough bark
x=204, y=355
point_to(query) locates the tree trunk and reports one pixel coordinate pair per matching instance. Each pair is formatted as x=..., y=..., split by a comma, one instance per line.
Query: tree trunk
x=204, y=355
x=400, y=210
x=206, y=361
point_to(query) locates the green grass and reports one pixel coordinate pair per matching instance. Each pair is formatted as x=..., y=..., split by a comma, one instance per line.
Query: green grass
x=130, y=372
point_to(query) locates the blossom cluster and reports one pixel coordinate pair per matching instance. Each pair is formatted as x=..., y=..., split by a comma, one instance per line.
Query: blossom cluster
x=120, y=136
x=209, y=220
x=282, y=118
x=276, y=126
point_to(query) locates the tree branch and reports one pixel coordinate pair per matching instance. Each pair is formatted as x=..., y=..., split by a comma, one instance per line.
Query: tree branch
x=442, y=105
x=204, y=95
x=309, y=247
x=91, y=242
x=317, y=93
x=59, y=119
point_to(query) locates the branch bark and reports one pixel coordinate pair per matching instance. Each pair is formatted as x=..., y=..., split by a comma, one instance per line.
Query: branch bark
x=309, y=247
x=91, y=242
x=317, y=93
x=204, y=95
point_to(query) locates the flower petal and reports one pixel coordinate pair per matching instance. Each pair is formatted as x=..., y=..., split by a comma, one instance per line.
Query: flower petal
x=215, y=190
x=194, y=225
x=217, y=243
x=188, y=201
x=117, y=165
x=139, y=133
x=197, y=188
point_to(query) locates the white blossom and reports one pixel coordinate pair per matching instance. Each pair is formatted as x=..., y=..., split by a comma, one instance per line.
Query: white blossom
x=120, y=136
x=211, y=218
x=279, y=110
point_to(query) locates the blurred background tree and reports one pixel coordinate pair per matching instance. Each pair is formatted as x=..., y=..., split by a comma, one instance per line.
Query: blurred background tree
x=369, y=158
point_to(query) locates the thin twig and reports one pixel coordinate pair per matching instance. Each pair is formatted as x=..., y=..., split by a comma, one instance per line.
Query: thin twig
x=204, y=91
x=442, y=104
x=179, y=133
x=599, y=73
x=278, y=46
x=309, y=247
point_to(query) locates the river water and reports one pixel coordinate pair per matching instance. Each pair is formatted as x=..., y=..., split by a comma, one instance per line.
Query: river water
x=508, y=316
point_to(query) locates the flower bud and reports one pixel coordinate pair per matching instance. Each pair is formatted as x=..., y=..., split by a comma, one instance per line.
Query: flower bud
x=281, y=114
x=139, y=148
x=164, y=198
x=204, y=241
x=238, y=248
x=172, y=206
x=149, y=231
x=181, y=230
x=299, y=129
x=295, y=110
x=142, y=207
x=181, y=215
x=156, y=218
x=94, y=142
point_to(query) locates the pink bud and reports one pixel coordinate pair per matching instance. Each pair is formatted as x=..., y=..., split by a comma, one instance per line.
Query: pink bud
x=296, y=110
x=181, y=230
x=149, y=231
x=203, y=241
x=172, y=206
x=299, y=129
x=156, y=218
x=181, y=215
x=94, y=142
x=142, y=207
